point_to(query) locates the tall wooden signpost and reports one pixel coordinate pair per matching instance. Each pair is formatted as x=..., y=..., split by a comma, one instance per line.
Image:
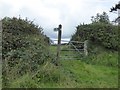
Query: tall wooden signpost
x=59, y=42
x=0, y=53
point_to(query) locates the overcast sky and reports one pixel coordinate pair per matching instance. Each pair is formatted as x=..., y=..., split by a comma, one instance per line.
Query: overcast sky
x=50, y=13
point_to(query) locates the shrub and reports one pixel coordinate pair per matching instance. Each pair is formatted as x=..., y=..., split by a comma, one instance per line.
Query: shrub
x=24, y=48
x=103, y=34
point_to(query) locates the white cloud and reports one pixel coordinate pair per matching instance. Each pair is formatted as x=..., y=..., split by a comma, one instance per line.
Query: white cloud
x=50, y=13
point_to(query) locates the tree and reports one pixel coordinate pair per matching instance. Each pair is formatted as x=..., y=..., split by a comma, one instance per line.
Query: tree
x=100, y=18
x=117, y=6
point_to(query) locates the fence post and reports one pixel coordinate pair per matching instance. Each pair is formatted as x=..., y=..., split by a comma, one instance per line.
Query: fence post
x=85, y=47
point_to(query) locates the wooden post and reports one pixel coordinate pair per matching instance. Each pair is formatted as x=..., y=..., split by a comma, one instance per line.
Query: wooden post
x=85, y=48
x=0, y=42
x=0, y=32
x=0, y=54
x=59, y=42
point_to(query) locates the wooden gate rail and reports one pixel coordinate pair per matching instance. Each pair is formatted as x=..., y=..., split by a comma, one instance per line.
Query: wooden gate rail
x=75, y=48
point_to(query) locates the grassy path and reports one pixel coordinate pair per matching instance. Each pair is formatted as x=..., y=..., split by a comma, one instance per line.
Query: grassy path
x=72, y=74
x=88, y=75
x=91, y=76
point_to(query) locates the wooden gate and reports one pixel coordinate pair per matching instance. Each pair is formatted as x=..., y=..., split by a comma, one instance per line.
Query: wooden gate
x=72, y=50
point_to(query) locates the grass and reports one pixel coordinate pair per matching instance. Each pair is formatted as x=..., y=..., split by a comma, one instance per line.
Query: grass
x=90, y=72
x=92, y=76
x=106, y=59
x=97, y=70
x=71, y=74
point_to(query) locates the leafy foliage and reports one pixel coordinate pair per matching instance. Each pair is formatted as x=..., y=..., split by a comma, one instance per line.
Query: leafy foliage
x=24, y=47
x=27, y=60
x=99, y=32
x=117, y=6
x=103, y=18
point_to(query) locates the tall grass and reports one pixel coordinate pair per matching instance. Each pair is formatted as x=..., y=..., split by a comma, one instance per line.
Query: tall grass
x=102, y=56
x=98, y=70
